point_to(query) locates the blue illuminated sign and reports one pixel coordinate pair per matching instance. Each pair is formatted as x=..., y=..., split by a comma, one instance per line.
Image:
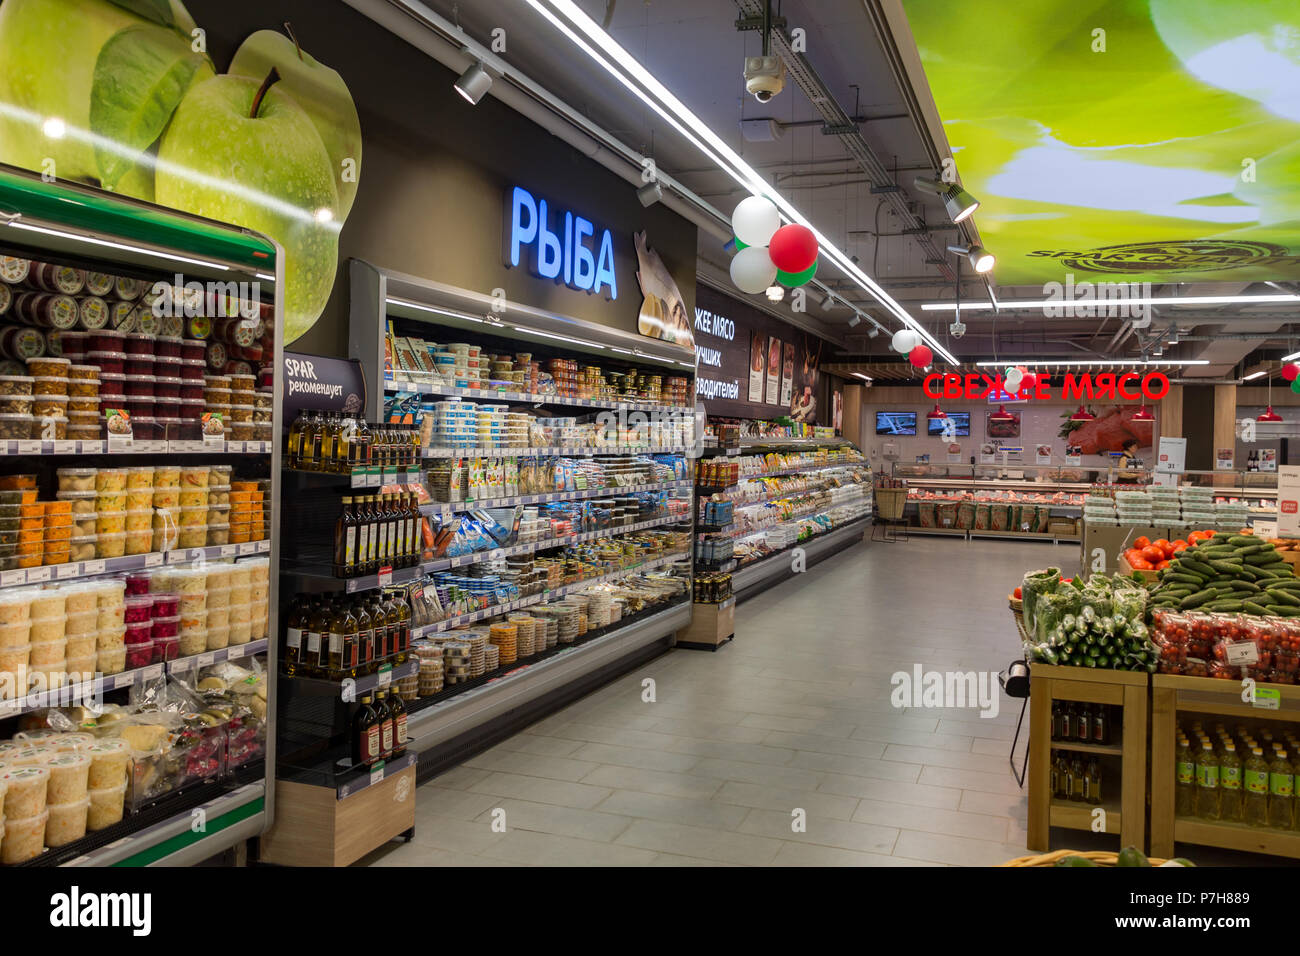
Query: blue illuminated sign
x=563, y=248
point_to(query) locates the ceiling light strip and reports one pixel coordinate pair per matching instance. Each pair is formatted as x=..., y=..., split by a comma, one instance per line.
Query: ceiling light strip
x=736, y=167
x=1099, y=303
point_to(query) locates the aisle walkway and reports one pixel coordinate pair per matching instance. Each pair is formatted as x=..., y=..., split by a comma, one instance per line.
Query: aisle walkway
x=795, y=714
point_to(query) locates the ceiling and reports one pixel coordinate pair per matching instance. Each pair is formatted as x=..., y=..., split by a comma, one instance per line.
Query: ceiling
x=911, y=75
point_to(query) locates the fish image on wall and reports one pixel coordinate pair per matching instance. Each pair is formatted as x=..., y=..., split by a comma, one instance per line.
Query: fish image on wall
x=663, y=311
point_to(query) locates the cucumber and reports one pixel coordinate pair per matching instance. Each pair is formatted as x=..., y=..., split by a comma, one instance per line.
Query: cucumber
x=1244, y=539
x=1266, y=574
x=1240, y=585
x=1194, y=565
x=1290, y=584
x=1196, y=600
x=1279, y=596
x=1209, y=554
x=1224, y=606
x=1227, y=567
x=1250, y=607
x=1264, y=558
x=1182, y=578
x=1249, y=573
x=1284, y=610
x=1250, y=549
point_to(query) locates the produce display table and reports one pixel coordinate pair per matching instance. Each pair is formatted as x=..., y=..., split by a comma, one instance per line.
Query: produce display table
x=1171, y=694
x=1126, y=806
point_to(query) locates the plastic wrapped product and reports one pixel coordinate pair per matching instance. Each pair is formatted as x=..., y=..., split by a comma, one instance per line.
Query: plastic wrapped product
x=109, y=759
x=24, y=838
x=106, y=807
x=25, y=790
x=69, y=773
x=1034, y=586
x=66, y=822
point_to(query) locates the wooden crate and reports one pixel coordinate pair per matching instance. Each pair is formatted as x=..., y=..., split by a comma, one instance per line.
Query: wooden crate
x=1171, y=693
x=313, y=827
x=1125, y=813
x=711, y=625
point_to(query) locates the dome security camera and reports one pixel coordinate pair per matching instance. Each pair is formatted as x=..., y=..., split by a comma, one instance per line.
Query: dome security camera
x=764, y=77
x=957, y=329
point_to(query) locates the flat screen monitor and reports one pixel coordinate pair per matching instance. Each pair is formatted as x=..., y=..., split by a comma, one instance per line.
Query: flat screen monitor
x=956, y=424
x=895, y=423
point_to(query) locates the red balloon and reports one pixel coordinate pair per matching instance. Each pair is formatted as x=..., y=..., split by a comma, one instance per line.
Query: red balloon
x=1290, y=371
x=1027, y=380
x=921, y=356
x=793, y=248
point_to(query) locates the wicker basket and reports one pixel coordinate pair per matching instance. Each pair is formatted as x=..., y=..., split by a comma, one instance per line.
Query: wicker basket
x=1018, y=612
x=890, y=503
x=1100, y=857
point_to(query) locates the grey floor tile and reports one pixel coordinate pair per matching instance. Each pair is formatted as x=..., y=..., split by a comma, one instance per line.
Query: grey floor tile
x=532, y=765
x=561, y=821
x=464, y=804
x=636, y=757
x=690, y=785
x=960, y=851
x=562, y=793
x=548, y=849
x=894, y=790
x=857, y=766
x=746, y=772
x=529, y=743
x=824, y=831
x=700, y=842
x=762, y=797
x=932, y=820
x=659, y=806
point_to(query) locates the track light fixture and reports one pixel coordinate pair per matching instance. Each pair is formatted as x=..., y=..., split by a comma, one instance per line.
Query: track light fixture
x=474, y=83
x=775, y=293
x=875, y=330
x=853, y=322
x=981, y=259
x=650, y=193
x=828, y=303
x=957, y=201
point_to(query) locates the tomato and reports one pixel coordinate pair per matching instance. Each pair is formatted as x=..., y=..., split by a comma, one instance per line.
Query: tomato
x=1153, y=554
x=1141, y=542
x=1207, y=535
x=1017, y=594
x=1141, y=564
x=1133, y=554
x=1165, y=547
x=1163, y=564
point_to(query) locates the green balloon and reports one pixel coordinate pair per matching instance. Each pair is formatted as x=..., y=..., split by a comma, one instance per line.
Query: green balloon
x=739, y=245
x=792, y=280
x=1295, y=386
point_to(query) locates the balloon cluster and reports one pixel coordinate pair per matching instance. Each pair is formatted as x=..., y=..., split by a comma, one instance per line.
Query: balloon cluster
x=768, y=251
x=1017, y=377
x=908, y=342
x=1291, y=373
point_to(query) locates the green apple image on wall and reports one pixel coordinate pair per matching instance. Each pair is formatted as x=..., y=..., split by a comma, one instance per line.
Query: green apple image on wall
x=143, y=112
x=320, y=91
x=243, y=152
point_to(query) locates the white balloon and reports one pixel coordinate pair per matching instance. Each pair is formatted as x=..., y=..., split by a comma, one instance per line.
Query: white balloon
x=754, y=221
x=752, y=270
x=905, y=340
x=1013, y=381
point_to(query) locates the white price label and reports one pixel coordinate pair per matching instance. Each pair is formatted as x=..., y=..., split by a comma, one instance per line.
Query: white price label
x=229, y=550
x=205, y=660
x=375, y=480
x=456, y=562
x=37, y=575
x=65, y=448
x=376, y=776
x=385, y=678
x=235, y=653
x=67, y=570
x=248, y=548
x=1241, y=653
x=236, y=447
x=153, y=560
x=9, y=578
x=385, y=577
x=358, y=479
x=152, y=672
x=29, y=448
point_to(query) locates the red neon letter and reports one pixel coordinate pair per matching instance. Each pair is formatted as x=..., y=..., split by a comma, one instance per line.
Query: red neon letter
x=952, y=385
x=1162, y=381
x=1106, y=383
x=1075, y=388
x=1123, y=385
x=928, y=388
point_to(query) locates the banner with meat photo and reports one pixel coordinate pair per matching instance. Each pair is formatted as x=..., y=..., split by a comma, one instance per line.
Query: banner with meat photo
x=1113, y=430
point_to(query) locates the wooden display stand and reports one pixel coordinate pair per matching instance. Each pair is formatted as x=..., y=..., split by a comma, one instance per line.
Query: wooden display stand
x=313, y=827
x=1125, y=815
x=711, y=626
x=1171, y=693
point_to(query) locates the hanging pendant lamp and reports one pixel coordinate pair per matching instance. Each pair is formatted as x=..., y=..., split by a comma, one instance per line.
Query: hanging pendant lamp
x=1083, y=415
x=1269, y=415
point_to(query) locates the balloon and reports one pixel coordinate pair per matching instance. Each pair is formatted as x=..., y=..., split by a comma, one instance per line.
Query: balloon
x=905, y=340
x=1013, y=380
x=793, y=248
x=1295, y=386
x=1028, y=379
x=921, y=356
x=752, y=270
x=755, y=220
x=1290, y=370
x=792, y=280
x=739, y=245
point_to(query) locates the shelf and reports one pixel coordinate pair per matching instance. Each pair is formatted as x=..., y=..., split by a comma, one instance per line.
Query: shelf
x=1114, y=749
x=376, y=776
x=368, y=477
x=444, y=720
x=93, y=690
x=406, y=575
x=790, y=493
x=129, y=562
x=740, y=535
x=567, y=451
x=450, y=508
x=1078, y=816
x=384, y=678
x=798, y=470
x=777, y=443
x=1001, y=484
x=777, y=564
x=20, y=448
x=1237, y=836
x=531, y=599
x=392, y=383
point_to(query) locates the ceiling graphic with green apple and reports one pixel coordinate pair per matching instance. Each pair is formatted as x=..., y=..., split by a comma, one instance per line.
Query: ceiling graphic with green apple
x=1123, y=140
x=273, y=144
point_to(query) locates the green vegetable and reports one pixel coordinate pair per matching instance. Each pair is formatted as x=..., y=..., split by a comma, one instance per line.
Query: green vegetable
x=1132, y=856
x=1280, y=596
x=1195, y=579
x=1224, y=606
x=1075, y=861
x=1195, y=566
x=1227, y=567
x=1196, y=600
x=1250, y=607
x=1245, y=586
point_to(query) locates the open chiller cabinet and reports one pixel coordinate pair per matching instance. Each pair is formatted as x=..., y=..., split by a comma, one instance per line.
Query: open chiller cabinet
x=119, y=270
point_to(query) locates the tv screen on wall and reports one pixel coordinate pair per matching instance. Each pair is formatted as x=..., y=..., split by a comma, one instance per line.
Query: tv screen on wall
x=957, y=424
x=895, y=423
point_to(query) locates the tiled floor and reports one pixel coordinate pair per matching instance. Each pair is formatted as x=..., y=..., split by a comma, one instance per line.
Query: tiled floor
x=789, y=724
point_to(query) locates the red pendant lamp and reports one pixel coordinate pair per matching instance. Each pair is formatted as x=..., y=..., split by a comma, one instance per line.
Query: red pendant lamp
x=937, y=413
x=1269, y=415
x=1083, y=415
x=1002, y=415
x=1143, y=414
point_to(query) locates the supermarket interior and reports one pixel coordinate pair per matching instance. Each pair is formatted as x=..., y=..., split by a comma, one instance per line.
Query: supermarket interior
x=578, y=433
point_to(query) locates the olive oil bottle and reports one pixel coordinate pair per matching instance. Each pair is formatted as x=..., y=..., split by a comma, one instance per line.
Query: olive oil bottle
x=345, y=541
x=297, y=624
x=366, y=731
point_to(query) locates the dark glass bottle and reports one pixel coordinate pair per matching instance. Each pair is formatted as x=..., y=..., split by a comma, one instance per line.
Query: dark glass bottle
x=366, y=731
x=397, y=708
x=293, y=636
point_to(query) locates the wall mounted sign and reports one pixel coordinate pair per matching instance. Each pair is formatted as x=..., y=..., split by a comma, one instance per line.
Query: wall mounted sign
x=719, y=332
x=558, y=244
x=322, y=384
x=663, y=311
x=1106, y=386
